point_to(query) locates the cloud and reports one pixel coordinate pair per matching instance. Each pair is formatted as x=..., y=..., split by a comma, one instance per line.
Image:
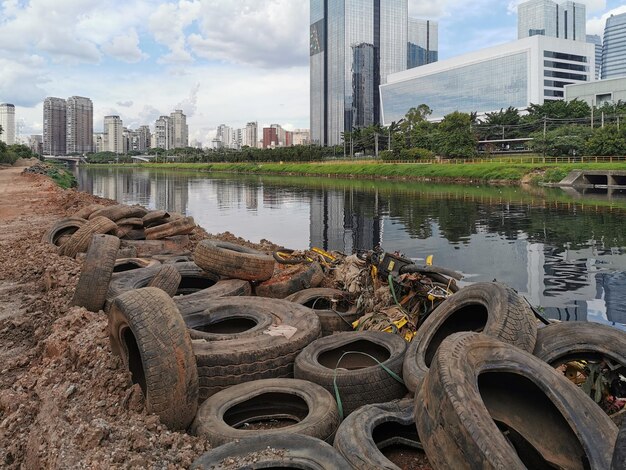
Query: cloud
x=125, y=47
x=189, y=104
x=21, y=82
x=124, y=104
x=167, y=24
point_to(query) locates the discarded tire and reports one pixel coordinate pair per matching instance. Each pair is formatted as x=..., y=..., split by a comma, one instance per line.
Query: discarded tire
x=134, y=234
x=485, y=404
x=248, y=338
x=222, y=418
x=234, y=261
x=489, y=307
x=130, y=264
x=167, y=279
x=331, y=306
x=360, y=379
x=61, y=228
x=364, y=434
x=133, y=221
x=149, y=334
x=619, y=454
x=182, y=226
x=153, y=218
x=96, y=272
x=80, y=240
x=123, y=230
x=273, y=451
x=85, y=212
x=291, y=280
x=172, y=246
x=119, y=211
x=201, y=300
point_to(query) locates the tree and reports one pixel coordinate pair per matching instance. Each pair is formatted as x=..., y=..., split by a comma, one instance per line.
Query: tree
x=607, y=140
x=494, y=125
x=416, y=128
x=454, y=137
x=559, y=109
x=564, y=141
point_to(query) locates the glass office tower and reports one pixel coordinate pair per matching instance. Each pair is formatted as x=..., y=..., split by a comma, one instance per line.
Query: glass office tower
x=565, y=20
x=597, y=42
x=423, y=45
x=354, y=45
x=614, y=47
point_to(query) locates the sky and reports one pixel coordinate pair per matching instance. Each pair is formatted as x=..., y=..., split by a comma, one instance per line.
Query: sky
x=221, y=61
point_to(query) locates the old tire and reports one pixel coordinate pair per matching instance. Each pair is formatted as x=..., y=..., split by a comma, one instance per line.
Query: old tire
x=80, y=240
x=182, y=226
x=619, y=454
x=153, y=218
x=201, y=300
x=489, y=307
x=86, y=211
x=365, y=433
x=133, y=221
x=167, y=279
x=234, y=261
x=485, y=404
x=61, y=228
x=360, y=380
x=311, y=406
x=291, y=280
x=331, y=306
x=96, y=272
x=273, y=451
x=263, y=340
x=118, y=212
x=149, y=334
x=169, y=246
x=130, y=264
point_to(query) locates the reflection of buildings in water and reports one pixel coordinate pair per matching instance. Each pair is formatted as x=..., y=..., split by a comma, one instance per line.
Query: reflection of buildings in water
x=612, y=288
x=339, y=221
x=252, y=198
x=171, y=193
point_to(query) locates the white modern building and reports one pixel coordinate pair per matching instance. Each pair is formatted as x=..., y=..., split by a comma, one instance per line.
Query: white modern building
x=530, y=70
x=599, y=92
x=113, y=128
x=7, y=122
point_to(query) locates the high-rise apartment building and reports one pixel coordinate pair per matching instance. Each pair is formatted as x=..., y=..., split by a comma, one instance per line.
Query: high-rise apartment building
x=143, y=138
x=79, y=125
x=226, y=136
x=301, y=137
x=270, y=137
x=164, y=133
x=251, y=136
x=180, y=130
x=54, y=126
x=597, y=42
x=565, y=20
x=354, y=45
x=7, y=122
x=423, y=42
x=614, y=47
x=113, y=128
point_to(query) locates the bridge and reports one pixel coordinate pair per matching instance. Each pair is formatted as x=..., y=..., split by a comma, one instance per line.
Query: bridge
x=66, y=158
x=615, y=179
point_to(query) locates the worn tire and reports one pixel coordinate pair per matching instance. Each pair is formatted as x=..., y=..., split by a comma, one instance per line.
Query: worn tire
x=170, y=246
x=167, y=279
x=149, y=334
x=365, y=433
x=273, y=451
x=234, y=261
x=80, y=240
x=61, y=228
x=321, y=300
x=153, y=218
x=314, y=410
x=182, y=226
x=86, y=211
x=134, y=221
x=96, y=272
x=619, y=454
x=360, y=380
x=130, y=264
x=477, y=384
x=249, y=352
x=123, y=230
x=489, y=307
x=291, y=280
x=135, y=234
x=119, y=211
x=200, y=301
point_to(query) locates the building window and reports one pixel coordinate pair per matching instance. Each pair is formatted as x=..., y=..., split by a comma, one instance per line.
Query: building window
x=553, y=93
x=570, y=76
x=563, y=56
x=602, y=98
x=556, y=83
x=565, y=66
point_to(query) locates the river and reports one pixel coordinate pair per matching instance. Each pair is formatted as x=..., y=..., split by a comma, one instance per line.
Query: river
x=564, y=251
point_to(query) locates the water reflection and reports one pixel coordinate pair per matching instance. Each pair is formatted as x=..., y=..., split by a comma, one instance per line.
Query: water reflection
x=564, y=253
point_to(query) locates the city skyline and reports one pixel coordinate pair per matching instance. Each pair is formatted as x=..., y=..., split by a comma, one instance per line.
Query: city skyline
x=137, y=59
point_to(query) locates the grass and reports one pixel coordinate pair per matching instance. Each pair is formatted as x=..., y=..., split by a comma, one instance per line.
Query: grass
x=63, y=178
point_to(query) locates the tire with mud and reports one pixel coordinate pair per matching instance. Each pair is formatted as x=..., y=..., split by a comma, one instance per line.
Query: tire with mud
x=201, y=300
x=80, y=240
x=273, y=451
x=182, y=226
x=148, y=333
x=222, y=418
x=130, y=264
x=363, y=435
x=331, y=306
x=119, y=211
x=233, y=261
x=62, y=228
x=86, y=211
x=167, y=279
x=96, y=272
x=291, y=280
x=619, y=454
x=153, y=218
x=239, y=339
x=488, y=307
x=485, y=404
x=360, y=379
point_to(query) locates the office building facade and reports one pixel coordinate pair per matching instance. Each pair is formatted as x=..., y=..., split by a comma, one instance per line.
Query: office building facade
x=79, y=125
x=54, y=126
x=530, y=70
x=349, y=39
x=614, y=47
x=564, y=20
x=114, y=129
x=7, y=122
x=597, y=44
x=423, y=43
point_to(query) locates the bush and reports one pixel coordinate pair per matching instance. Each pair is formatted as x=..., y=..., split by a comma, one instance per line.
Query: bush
x=416, y=154
x=387, y=155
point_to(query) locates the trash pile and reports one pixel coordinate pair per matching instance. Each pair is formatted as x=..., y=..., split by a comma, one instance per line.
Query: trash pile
x=332, y=360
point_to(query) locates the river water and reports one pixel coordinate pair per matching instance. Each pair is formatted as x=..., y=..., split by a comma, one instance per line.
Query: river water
x=564, y=251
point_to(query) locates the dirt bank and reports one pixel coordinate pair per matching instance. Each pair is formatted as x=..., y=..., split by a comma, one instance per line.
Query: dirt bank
x=65, y=402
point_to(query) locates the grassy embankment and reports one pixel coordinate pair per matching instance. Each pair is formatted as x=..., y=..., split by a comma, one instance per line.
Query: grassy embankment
x=485, y=172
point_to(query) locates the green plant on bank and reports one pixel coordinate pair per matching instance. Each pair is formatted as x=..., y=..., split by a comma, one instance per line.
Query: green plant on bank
x=62, y=177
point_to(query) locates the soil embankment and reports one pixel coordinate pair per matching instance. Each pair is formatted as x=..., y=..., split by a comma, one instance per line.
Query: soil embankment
x=65, y=400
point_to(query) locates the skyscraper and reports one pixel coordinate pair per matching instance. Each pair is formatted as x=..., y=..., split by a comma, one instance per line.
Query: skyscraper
x=251, y=136
x=614, y=47
x=423, y=44
x=180, y=130
x=54, y=126
x=113, y=128
x=79, y=125
x=164, y=133
x=354, y=45
x=597, y=42
x=7, y=122
x=565, y=20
